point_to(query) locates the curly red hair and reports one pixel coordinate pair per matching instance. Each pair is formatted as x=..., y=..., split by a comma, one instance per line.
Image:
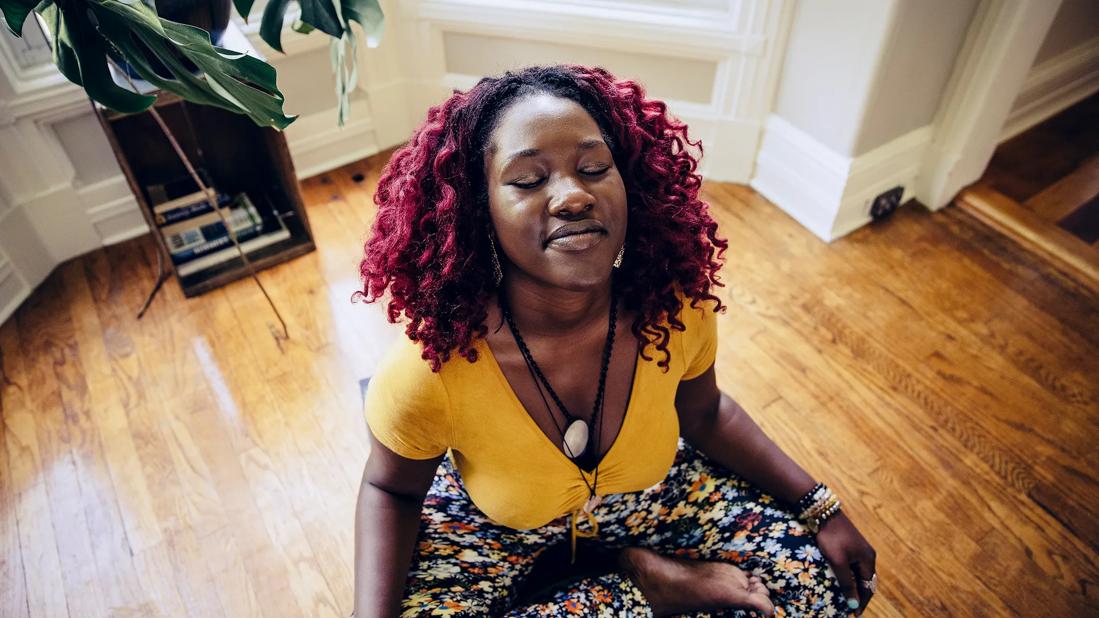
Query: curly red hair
x=429, y=246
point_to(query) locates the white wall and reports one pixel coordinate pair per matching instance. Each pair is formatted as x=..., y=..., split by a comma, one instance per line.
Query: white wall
x=715, y=62
x=1076, y=22
x=860, y=89
x=830, y=63
x=913, y=69
x=859, y=73
x=1065, y=71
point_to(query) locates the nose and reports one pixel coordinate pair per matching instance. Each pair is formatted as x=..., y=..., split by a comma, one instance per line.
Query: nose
x=571, y=198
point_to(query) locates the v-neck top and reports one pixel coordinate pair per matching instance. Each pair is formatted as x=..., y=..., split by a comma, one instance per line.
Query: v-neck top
x=514, y=474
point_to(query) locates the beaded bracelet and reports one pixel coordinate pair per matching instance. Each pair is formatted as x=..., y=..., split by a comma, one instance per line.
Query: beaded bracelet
x=817, y=506
x=810, y=496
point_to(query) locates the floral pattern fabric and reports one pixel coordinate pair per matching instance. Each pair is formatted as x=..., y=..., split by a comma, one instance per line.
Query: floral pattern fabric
x=467, y=565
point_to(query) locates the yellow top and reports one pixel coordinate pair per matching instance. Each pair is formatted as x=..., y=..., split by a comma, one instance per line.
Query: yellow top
x=513, y=473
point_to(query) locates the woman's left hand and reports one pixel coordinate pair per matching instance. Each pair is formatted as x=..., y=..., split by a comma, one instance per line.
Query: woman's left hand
x=851, y=557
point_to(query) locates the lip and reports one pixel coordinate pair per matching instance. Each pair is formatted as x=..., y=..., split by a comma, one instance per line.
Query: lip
x=575, y=228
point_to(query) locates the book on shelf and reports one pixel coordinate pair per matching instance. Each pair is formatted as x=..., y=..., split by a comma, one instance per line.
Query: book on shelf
x=192, y=237
x=203, y=242
x=224, y=255
x=184, y=208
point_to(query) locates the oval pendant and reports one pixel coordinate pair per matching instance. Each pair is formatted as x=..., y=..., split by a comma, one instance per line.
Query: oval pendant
x=576, y=438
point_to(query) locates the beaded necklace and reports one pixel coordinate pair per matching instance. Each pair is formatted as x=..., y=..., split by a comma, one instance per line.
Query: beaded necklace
x=576, y=439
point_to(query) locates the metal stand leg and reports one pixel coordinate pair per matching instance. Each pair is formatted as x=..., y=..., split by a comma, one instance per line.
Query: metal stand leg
x=162, y=275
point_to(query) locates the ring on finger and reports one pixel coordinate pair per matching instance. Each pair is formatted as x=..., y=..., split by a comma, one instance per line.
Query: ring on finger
x=871, y=584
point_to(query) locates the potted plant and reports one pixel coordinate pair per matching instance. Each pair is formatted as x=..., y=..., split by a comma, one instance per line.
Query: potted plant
x=181, y=58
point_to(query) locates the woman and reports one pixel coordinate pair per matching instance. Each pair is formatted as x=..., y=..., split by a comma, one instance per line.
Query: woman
x=521, y=226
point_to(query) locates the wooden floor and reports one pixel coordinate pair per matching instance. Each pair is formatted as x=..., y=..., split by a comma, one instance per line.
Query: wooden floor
x=942, y=381
x=1042, y=188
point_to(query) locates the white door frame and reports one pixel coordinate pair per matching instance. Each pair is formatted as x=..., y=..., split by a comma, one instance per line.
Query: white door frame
x=1000, y=47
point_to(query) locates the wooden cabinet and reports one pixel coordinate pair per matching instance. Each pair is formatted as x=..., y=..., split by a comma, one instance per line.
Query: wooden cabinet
x=235, y=156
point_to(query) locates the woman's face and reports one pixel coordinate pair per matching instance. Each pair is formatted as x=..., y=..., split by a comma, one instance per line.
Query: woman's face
x=556, y=199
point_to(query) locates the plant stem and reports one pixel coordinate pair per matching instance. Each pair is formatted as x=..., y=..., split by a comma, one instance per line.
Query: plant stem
x=285, y=335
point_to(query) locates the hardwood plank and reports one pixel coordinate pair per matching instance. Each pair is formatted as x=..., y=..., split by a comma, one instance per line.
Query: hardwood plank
x=877, y=302
x=53, y=373
x=186, y=497
x=1067, y=194
x=1083, y=223
x=1000, y=212
x=37, y=545
x=1073, y=504
x=13, y=580
x=1030, y=162
x=1069, y=305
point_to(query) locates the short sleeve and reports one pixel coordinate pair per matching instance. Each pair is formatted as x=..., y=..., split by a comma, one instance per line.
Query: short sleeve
x=406, y=405
x=700, y=338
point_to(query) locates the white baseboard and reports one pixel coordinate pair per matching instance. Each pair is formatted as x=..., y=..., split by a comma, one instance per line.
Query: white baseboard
x=1054, y=85
x=893, y=164
x=13, y=290
x=118, y=220
x=829, y=193
x=317, y=145
x=800, y=175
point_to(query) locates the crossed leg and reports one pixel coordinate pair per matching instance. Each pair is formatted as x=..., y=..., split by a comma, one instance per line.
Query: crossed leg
x=701, y=511
x=465, y=565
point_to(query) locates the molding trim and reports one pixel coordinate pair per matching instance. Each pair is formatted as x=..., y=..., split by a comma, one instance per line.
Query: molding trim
x=631, y=28
x=118, y=220
x=1000, y=46
x=13, y=289
x=894, y=163
x=317, y=145
x=829, y=193
x=1055, y=85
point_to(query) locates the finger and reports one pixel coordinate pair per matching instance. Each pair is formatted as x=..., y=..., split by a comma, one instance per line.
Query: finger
x=846, y=579
x=865, y=570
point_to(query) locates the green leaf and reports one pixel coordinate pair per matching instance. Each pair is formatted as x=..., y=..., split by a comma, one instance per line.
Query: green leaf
x=91, y=58
x=63, y=55
x=301, y=27
x=270, y=28
x=229, y=79
x=322, y=15
x=369, y=15
x=244, y=7
x=15, y=13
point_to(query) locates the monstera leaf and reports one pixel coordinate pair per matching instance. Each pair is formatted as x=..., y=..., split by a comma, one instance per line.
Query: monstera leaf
x=85, y=33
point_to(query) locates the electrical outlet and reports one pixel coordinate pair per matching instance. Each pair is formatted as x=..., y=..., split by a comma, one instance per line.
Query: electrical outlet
x=885, y=203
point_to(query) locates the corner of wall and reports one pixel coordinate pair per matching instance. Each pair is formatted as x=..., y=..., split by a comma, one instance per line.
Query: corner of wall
x=827, y=192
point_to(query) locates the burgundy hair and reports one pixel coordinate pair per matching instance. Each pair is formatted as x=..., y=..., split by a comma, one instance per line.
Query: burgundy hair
x=429, y=244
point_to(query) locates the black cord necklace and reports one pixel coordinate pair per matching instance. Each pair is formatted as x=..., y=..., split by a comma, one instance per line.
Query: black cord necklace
x=576, y=438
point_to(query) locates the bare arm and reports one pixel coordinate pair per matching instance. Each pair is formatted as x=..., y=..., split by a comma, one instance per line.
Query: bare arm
x=713, y=423
x=387, y=519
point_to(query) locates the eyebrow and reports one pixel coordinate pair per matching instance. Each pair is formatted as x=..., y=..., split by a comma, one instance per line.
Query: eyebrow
x=586, y=144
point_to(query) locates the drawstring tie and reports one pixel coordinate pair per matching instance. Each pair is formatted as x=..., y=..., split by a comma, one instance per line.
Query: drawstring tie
x=587, y=513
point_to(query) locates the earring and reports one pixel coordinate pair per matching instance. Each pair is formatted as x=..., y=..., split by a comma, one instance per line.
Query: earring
x=618, y=258
x=497, y=272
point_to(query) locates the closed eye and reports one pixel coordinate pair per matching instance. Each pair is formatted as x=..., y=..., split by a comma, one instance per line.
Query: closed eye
x=587, y=172
x=596, y=172
x=526, y=185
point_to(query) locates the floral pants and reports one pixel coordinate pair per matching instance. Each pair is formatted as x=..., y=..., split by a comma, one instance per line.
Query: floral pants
x=466, y=565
